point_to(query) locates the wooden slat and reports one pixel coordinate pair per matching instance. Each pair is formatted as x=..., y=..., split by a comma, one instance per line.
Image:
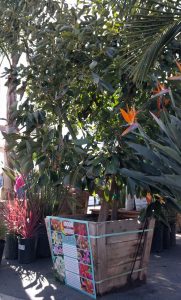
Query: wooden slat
x=146, y=251
x=122, y=251
x=122, y=267
x=120, y=281
x=122, y=226
x=122, y=238
x=101, y=255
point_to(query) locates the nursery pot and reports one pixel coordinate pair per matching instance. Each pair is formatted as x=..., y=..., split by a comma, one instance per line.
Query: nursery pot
x=43, y=248
x=173, y=234
x=2, y=244
x=11, y=247
x=166, y=237
x=157, y=242
x=26, y=250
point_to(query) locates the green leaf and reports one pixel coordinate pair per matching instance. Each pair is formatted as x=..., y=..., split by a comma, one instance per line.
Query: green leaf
x=167, y=180
x=112, y=166
x=80, y=150
x=81, y=142
x=106, y=194
x=146, y=152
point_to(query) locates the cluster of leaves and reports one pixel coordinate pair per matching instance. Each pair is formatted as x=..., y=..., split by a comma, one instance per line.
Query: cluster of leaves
x=22, y=217
x=151, y=26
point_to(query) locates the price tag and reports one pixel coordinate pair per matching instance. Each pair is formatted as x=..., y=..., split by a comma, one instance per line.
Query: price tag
x=21, y=247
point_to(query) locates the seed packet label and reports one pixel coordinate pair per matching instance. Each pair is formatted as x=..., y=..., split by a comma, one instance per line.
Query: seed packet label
x=71, y=253
x=21, y=247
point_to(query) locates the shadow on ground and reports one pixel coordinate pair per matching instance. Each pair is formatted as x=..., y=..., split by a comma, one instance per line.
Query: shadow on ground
x=36, y=281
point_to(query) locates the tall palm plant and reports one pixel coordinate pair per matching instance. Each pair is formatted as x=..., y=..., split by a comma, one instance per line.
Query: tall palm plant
x=149, y=27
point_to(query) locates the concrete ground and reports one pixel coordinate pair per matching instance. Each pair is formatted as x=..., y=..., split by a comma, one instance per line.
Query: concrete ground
x=36, y=281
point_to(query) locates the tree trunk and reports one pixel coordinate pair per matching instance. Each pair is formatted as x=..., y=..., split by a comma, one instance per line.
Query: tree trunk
x=114, y=198
x=114, y=213
x=11, y=99
x=104, y=211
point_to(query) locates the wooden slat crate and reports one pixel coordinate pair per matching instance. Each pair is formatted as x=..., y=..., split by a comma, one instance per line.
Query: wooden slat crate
x=114, y=247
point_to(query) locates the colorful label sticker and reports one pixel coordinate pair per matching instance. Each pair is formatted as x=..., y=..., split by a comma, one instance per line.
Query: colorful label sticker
x=71, y=253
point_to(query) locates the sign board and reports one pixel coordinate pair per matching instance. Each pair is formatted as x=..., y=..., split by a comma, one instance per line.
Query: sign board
x=71, y=253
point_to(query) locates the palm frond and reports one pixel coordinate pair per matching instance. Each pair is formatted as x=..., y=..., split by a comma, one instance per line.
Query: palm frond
x=150, y=27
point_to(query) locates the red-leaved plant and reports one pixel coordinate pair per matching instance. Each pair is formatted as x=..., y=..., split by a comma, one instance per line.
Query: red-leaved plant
x=22, y=217
x=9, y=214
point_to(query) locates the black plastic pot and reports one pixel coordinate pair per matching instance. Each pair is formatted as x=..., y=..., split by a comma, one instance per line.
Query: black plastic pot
x=2, y=244
x=166, y=237
x=26, y=250
x=157, y=242
x=43, y=248
x=11, y=247
x=173, y=234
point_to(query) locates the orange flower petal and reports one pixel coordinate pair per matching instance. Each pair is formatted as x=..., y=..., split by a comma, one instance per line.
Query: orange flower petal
x=126, y=116
x=178, y=65
x=148, y=198
x=160, y=86
x=132, y=115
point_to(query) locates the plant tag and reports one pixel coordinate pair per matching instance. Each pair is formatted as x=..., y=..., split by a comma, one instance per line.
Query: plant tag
x=21, y=247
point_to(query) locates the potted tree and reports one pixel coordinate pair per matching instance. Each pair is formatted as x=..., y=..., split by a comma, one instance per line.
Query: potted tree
x=120, y=247
x=120, y=257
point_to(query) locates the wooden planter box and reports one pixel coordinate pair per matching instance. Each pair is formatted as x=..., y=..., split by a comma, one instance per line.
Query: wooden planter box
x=117, y=252
x=114, y=254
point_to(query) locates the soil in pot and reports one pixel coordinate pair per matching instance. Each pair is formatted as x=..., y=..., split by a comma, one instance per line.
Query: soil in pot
x=11, y=247
x=2, y=244
x=26, y=250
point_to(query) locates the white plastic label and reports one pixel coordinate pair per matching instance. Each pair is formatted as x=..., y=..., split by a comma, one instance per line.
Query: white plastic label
x=21, y=247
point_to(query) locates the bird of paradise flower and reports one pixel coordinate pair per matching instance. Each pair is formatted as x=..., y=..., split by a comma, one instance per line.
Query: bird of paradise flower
x=130, y=116
x=159, y=92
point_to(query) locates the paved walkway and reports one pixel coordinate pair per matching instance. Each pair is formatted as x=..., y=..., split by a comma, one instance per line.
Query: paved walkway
x=36, y=281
